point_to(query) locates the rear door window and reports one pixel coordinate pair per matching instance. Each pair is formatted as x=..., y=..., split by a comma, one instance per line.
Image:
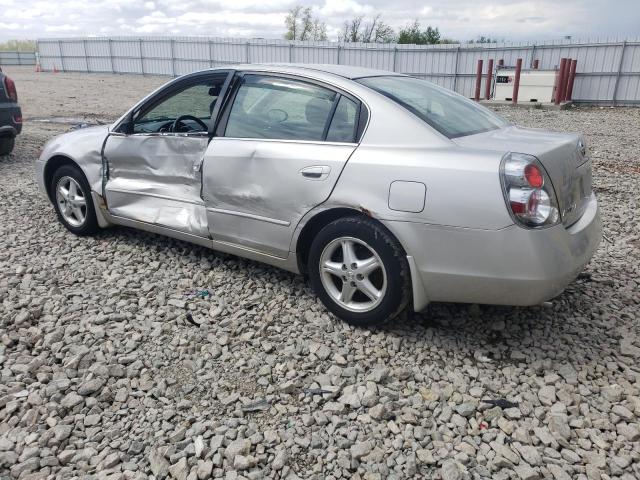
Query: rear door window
x=281, y=108
x=343, y=123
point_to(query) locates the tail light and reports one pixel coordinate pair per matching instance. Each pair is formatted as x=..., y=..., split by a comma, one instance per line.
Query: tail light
x=10, y=88
x=528, y=191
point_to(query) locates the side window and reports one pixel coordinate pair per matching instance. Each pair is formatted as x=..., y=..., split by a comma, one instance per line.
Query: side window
x=192, y=105
x=278, y=108
x=343, y=124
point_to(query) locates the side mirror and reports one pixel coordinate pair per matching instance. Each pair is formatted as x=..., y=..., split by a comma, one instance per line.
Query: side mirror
x=126, y=126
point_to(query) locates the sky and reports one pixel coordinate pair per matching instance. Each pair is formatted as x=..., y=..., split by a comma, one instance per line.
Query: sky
x=457, y=19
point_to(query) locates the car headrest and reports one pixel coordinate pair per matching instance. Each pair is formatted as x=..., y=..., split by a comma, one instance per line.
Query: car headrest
x=215, y=90
x=317, y=110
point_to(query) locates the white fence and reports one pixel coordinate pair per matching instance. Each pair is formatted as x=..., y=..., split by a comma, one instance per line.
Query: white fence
x=17, y=58
x=607, y=71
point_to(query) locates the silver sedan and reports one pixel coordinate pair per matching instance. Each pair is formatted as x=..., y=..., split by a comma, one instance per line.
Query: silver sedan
x=387, y=191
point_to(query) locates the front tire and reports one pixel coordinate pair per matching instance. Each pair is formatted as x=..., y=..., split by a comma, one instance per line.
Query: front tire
x=359, y=271
x=6, y=145
x=71, y=197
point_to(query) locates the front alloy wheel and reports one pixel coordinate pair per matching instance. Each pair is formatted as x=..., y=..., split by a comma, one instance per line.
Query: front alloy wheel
x=359, y=271
x=71, y=201
x=71, y=197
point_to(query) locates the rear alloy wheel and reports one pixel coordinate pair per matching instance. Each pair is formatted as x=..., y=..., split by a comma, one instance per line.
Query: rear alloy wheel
x=359, y=271
x=72, y=200
x=6, y=145
x=353, y=274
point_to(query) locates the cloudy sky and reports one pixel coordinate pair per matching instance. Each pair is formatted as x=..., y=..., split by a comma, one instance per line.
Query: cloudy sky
x=459, y=19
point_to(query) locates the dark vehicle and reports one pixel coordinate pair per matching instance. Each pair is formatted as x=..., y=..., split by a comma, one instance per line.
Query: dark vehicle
x=10, y=114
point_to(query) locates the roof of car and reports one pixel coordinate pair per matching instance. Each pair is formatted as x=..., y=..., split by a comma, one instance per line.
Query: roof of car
x=346, y=71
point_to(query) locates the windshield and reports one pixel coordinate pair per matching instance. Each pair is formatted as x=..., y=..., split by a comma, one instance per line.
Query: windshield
x=449, y=113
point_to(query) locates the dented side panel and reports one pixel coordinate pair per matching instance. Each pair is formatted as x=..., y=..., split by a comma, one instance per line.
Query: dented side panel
x=83, y=146
x=256, y=191
x=156, y=179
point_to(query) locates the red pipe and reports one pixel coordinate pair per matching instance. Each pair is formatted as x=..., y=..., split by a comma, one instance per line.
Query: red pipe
x=572, y=77
x=478, y=80
x=559, y=83
x=516, y=82
x=536, y=64
x=565, y=81
x=487, y=87
x=565, y=77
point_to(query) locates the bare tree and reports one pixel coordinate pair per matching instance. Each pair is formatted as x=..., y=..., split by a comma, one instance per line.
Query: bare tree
x=351, y=32
x=369, y=29
x=376, y=31
x=383, y=33
x=319, y=30
x=307, y=24
x=301, y=25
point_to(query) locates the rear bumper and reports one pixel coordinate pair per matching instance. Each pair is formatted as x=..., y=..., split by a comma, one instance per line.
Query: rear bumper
x=8, y=126
x=511, y=266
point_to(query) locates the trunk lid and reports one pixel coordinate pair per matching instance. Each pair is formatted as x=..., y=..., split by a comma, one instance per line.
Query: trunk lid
x=561, y=154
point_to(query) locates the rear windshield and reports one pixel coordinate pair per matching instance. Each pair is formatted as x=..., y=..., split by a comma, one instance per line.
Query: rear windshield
x=449, y=113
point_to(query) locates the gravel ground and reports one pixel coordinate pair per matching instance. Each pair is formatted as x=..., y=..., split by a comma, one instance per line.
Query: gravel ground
x=104, y=374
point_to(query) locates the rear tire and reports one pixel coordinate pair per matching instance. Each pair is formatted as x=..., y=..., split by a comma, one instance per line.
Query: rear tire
x=359, y=271
x=6, y=145
x=71, y=196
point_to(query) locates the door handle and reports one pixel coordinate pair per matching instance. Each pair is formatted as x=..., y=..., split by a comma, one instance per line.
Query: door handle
x=316, y=172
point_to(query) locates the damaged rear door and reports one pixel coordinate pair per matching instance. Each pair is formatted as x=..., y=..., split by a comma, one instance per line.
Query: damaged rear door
x=153, y=160
x=279, y=149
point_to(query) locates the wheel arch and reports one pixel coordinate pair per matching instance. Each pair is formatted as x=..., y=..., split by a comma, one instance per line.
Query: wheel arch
x=50, y=168
x=311, y=228
x=318, y=221
x=321, y=219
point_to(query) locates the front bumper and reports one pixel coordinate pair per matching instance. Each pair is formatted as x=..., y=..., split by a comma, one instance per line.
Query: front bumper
x=511, y=266
x=8, y=126
x=39, y=171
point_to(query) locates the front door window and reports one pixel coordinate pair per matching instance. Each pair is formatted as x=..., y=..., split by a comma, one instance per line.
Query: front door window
x=187, y=111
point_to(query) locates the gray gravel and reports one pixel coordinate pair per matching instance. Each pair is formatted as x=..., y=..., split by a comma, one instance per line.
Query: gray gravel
x=103, y=376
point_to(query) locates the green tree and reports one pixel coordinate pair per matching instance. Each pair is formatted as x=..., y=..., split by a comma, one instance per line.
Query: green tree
x=301, y=25
x=483, y=39
x=413, y=34
x=18, y=46
x=292, y=21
